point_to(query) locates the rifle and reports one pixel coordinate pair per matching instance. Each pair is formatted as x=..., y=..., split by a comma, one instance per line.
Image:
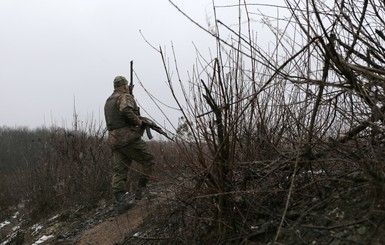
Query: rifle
x=131, y=86
x=148, y=124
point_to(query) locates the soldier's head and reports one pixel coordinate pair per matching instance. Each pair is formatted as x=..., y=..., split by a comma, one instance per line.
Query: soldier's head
x=121, y=82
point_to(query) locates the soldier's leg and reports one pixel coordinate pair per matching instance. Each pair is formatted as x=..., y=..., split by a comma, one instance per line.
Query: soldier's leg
x=140, y=153
x=119, y=175
x=120, y=164
x=119, y=180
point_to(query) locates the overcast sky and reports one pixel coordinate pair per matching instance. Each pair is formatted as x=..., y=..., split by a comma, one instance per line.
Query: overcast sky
x=60, y=54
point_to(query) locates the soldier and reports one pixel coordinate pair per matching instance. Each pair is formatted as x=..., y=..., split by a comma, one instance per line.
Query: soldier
x=125, y=129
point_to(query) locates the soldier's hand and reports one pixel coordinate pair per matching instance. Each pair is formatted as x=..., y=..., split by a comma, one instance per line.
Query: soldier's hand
x=141, y=124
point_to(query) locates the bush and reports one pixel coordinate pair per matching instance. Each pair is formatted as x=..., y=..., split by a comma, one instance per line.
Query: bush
x=69, y=168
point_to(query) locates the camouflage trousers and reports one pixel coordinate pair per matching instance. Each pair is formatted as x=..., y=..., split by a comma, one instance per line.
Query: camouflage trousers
x=122, y=158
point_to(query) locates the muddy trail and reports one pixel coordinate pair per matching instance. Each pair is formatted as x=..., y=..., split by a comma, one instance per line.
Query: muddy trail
x=114, y=230
x=84, y=226
x=345, y=216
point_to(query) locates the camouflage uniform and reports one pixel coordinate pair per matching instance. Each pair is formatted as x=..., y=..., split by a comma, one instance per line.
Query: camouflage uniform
x=124, y=137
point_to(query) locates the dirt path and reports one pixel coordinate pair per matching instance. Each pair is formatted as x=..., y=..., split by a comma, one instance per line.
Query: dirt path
x=115, y=230
x=82, y=225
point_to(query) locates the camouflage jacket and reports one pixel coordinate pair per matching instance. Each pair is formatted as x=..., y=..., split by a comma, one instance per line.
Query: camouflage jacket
x=122, y=119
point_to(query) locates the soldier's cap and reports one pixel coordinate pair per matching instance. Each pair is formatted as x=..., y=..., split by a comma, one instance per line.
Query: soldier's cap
x=120, y=81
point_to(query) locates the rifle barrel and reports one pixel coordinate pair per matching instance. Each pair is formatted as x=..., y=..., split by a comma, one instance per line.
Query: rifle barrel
x=131, y=72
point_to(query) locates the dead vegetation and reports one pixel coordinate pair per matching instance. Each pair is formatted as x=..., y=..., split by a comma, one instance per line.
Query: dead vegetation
x=287, y=143
x=284, y=146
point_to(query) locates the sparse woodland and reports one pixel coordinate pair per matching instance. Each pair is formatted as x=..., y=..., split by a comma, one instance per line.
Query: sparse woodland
x=278, y=146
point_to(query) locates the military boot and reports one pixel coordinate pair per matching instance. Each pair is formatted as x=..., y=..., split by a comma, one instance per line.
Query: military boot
x=122, y=202
x=142, y=183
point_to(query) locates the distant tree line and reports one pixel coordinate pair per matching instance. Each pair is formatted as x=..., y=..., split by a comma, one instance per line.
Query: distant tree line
x=21, y=147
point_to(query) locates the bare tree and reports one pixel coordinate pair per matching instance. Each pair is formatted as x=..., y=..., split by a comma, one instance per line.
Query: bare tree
x=275, y=133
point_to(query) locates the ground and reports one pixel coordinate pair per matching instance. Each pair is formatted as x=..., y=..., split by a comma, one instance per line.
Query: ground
x=82, y=226
x=349, y=216
x=114, y=230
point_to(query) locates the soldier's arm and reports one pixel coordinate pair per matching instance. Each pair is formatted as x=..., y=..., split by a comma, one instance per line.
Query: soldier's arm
x=126, y=107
